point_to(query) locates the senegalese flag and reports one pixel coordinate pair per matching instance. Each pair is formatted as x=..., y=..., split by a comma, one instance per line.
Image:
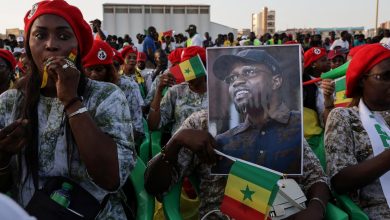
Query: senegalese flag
x=341, y=100
x=188, y=70
x=72, y=55
x=249, y=192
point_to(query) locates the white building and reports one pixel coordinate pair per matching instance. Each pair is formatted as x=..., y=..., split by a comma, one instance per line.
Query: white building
x=121, y=19
x=263, y=22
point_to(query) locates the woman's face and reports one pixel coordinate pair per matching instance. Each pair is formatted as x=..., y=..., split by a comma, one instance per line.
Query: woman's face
x=130, y=62
x=322, y=64
x=4, y=71
x=50, y=36
x=376, y=87
x=98, y=72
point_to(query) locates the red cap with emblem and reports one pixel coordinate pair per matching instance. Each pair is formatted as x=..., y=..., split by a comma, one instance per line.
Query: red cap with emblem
x=70, y=13
x=100, y=54
x=313, y=54
x=128, y=49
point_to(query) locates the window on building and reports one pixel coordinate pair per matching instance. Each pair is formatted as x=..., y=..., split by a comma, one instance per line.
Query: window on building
x=157, y=10
x=167, y=10
x=270, y=24
x=271, y=17
x=108, y=10
x=147, y=10
x=179, y=10
x=204, y=11
x=121, y=10
x=135, y=10
x=192, y=10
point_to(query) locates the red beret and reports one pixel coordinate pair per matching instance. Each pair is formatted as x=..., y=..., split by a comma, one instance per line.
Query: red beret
x=100, y=54
x=192, y=51
x=362, y=62
x=313, y=54
x=141, y=56
x=175, y=56
x=118, y=57
x=291, y=42
x=128, y=49
x=334, y=53
x=354, y=50
x=70, y=13
x=7, y=56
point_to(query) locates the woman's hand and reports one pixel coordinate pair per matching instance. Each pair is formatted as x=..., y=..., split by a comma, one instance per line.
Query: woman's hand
x=166, y=79
x=13, y=137
x=198, y=141
x=328, y=88
x=66, y=76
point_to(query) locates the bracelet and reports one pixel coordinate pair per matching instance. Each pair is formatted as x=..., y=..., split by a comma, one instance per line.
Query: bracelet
x=321, y=203
x=72, y=101
x=79, y=111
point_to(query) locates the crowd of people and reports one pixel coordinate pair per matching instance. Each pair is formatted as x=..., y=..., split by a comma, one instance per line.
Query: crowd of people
x=78, y=102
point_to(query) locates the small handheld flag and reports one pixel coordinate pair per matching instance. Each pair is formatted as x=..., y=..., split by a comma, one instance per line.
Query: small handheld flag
x=188, y=70
x=341, y=99
x=72, y=57
x=249, y=192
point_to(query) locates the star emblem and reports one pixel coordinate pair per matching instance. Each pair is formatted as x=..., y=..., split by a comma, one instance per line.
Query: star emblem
x=187, y=71
x=247, y=193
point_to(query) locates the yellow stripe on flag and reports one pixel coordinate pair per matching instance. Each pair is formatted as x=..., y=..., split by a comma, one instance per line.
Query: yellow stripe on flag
x=259, y=196
x=187, y=70
x=341, y=98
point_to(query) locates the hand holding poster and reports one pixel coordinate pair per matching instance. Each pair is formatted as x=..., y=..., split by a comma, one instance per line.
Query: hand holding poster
x=260, y=121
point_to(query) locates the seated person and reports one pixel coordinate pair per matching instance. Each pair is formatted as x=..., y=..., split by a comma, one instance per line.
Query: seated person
x=356, y=138
x=190, y=152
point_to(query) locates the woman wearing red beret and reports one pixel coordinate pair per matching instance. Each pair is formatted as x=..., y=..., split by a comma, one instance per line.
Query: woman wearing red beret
x=61, y=123
x=181, y=100
x=129, y=54
x=98, y=65
x=318, y=98
x=357, y=138
x=7, y=66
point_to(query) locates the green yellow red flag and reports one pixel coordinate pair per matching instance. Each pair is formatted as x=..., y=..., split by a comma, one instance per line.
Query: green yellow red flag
x=249, y=192
x=188, y=70
x=341, y=99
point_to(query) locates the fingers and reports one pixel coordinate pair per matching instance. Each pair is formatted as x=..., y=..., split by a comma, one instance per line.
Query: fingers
x=328, y=87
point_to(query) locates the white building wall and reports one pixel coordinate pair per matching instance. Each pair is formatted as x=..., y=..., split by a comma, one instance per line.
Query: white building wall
x=120, y=19
x=216, y=29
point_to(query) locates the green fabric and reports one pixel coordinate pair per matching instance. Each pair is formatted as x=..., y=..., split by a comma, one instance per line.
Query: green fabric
x=334, y=213
x=142, y=89
x=316, y=143
x=145, y=202
x=197, y=66
x=340, y=85
x=255, y=175
x=346, y=204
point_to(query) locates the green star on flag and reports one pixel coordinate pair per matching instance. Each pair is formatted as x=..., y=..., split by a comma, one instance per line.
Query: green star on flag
x=247, y=193
x=187, y=71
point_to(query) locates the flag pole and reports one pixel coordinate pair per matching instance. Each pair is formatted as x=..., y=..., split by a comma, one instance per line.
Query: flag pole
x=376, y=17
